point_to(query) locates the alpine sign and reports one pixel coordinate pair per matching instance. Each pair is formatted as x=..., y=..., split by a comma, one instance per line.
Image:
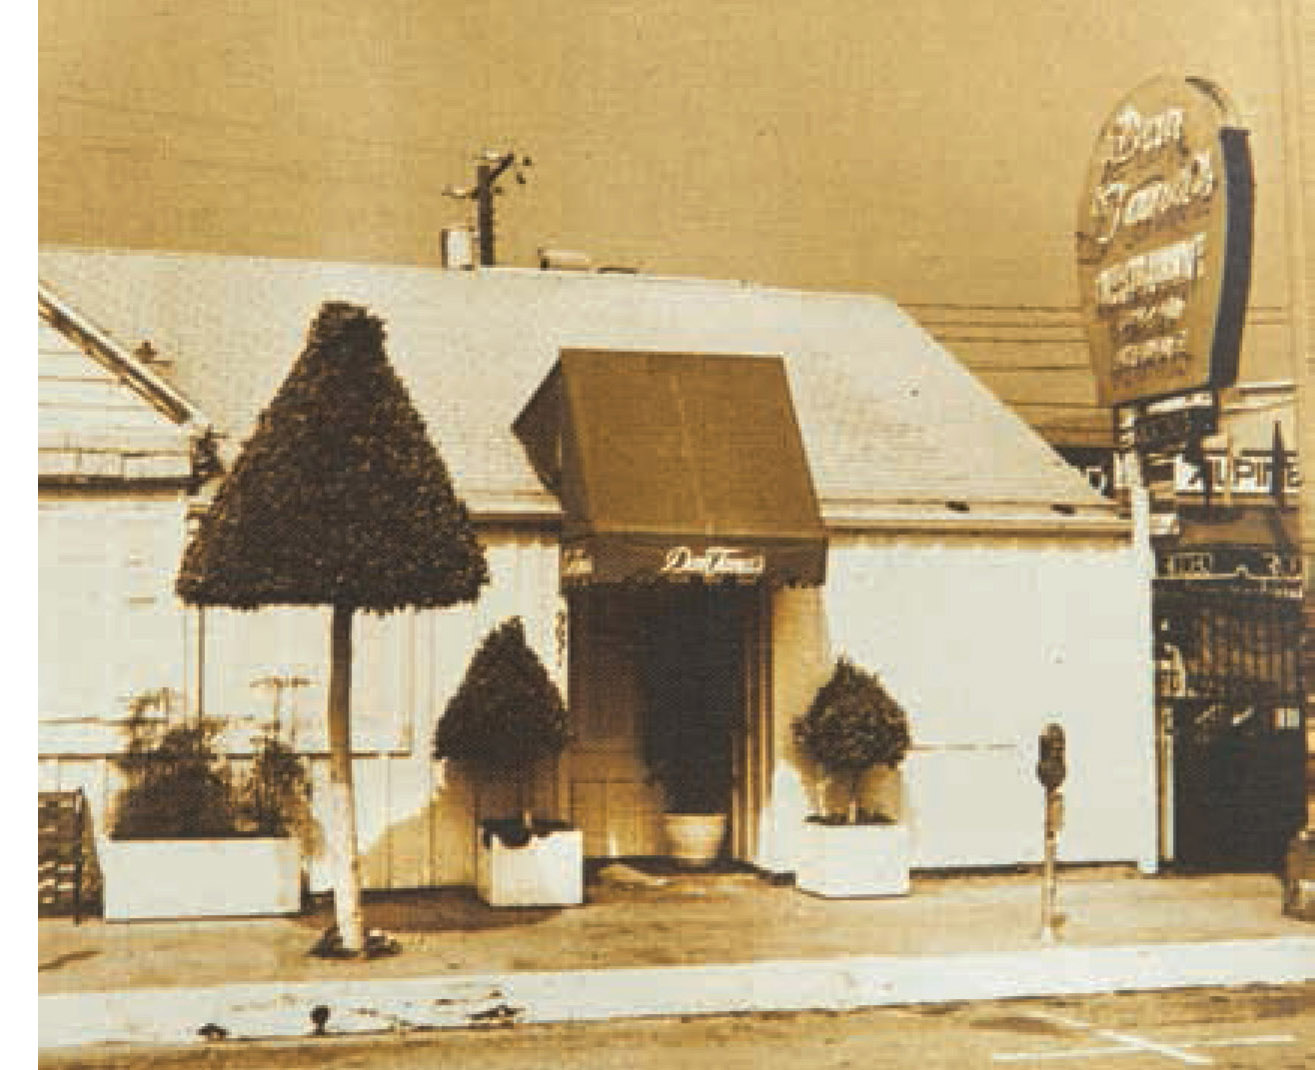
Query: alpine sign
x=1164, y=243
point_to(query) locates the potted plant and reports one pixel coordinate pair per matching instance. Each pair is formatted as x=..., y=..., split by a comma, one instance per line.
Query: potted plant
x=852, y=727
x=190, y=840
x=687, y=754
x=506, y=718
x=688, y=722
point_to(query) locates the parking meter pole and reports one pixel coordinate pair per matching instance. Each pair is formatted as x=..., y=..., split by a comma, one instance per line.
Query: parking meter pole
x=1049, y=884
x=1051, y=769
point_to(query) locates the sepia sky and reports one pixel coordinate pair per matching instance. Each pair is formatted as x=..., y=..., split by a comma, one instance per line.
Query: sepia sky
x=931, y=151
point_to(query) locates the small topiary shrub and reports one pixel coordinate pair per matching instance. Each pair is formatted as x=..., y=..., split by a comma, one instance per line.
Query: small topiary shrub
x=852, y=726
x=506, y=716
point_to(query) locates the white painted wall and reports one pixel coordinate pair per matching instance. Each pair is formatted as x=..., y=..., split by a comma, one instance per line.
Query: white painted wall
x=111, y=626
x=984, y=641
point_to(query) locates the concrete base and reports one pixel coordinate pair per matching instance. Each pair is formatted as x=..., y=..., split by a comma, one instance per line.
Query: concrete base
x=546, y=872
x=199, y=878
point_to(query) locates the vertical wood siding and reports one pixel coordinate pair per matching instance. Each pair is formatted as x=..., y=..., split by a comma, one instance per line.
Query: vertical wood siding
x=416, y=818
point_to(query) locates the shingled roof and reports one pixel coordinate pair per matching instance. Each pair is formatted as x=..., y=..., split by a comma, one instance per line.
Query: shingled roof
x=892, y=423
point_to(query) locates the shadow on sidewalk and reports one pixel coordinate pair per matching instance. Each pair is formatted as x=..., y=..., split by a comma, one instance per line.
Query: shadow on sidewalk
x=426, y=910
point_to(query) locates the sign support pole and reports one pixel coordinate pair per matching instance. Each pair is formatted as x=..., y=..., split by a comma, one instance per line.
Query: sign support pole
x=1143, y=554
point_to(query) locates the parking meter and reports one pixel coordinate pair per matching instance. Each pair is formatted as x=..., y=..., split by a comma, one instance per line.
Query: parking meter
x=1051, y=770
x=1050, y=767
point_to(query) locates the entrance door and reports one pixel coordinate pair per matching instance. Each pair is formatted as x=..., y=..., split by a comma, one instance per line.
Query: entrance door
x=1230, y=701
x=658, y=705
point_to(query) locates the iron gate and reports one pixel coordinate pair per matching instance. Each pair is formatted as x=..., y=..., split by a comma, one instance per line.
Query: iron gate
x=1228, y=688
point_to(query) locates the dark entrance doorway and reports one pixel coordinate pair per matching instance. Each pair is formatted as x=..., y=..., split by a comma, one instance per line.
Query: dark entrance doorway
x=1229, y=698
x=693, y=670
x=666, y=686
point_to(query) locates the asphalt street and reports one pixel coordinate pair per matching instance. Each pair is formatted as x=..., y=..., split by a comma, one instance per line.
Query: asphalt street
x=1238, y=1029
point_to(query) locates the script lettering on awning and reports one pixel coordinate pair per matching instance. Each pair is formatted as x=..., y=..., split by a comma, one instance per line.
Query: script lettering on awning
x=715, y=561
x=577, y=564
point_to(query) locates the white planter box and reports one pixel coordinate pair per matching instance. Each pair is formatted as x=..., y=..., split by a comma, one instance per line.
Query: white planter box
x=199, y=878
x=854, y=860
x=547, y=872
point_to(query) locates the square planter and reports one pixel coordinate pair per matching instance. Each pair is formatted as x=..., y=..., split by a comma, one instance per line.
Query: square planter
x=200, y=878
x=854, y=860
x=548, y=871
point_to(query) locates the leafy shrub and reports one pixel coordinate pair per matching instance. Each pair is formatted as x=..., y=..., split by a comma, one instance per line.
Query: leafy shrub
x=179, y=787
x=274, y=799
x=507, y=714
x=853, y=725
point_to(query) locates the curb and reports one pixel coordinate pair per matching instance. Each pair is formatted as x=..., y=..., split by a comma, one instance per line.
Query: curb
x=283, y=1011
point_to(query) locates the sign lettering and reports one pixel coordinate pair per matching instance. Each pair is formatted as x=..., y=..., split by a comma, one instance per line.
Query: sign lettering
x=1164, y=243
x=1233, y=563
x=1246, y=473
x=715, y=561
x=577, y=563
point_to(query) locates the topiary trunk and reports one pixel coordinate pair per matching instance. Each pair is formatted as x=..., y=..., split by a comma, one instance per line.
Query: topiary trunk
x=344, y=853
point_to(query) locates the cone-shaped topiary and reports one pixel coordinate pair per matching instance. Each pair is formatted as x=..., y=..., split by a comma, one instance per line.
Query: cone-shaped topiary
x=339, y=498
x=507, y=713
x=853, y=725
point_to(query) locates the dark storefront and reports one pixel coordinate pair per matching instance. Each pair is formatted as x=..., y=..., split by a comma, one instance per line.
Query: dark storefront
x=1228, y=628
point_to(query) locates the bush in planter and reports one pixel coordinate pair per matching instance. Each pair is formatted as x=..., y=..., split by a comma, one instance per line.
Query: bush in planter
x=274, y=799
x=691, y=706
x=690, y=761
x=191, y=838
x=179, y=788
x=506, y=716
x=852, y=726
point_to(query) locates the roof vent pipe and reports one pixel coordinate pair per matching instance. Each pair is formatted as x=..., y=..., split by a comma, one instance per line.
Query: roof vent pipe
x=564, y=260
x=458, y=248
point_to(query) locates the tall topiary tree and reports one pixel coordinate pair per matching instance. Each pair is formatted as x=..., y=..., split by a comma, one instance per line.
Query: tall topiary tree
x=339, y=498
x=853, y=725
x=507, y=713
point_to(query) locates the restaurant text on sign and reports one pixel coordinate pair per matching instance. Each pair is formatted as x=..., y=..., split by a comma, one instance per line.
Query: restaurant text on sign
x=1164, y=243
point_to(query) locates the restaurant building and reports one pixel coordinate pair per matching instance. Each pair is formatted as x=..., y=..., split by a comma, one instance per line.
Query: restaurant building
x=705, y=489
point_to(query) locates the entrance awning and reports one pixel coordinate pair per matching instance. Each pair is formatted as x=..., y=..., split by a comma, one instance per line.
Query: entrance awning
x=675, y=467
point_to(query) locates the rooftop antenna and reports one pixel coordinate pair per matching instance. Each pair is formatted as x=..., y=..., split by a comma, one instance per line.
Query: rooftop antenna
x=489, y=167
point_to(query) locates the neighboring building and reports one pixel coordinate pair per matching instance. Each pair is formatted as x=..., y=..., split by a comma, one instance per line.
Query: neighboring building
x=1227, y=611
x=868, y=497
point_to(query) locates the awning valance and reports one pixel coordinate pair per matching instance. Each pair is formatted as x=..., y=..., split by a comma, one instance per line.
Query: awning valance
x=675, y=467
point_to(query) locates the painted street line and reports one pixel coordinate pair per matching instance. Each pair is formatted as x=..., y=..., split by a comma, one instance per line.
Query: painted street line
x=1131, y=1044
x=1278, y=1038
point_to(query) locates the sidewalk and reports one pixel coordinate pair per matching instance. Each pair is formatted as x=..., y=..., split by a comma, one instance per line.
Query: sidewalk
x=699, y=943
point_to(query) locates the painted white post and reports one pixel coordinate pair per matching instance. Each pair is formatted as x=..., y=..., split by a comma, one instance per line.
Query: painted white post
x=1143, y=556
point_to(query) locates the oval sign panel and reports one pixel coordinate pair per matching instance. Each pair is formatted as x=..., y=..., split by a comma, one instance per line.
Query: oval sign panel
x=1164, y=243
